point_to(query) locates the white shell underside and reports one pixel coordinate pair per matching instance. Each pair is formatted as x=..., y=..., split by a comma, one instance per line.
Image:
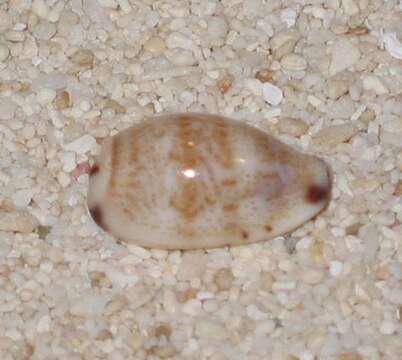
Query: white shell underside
x=190, y=181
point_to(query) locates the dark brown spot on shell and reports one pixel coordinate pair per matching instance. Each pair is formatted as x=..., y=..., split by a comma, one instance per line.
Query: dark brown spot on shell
x=244, y=234
x=268, y=228
x=94, y=169
x=97, y=216
x=317, y=193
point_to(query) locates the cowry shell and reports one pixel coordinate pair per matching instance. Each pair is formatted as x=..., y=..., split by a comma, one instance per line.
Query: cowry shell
x=191, y=181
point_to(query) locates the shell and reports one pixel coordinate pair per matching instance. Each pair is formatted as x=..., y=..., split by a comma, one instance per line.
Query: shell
x=191, y=181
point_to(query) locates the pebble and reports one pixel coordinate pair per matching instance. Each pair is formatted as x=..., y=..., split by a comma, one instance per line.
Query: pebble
x=63, y=179
x=33, y=256
x=44, y=324
x=350, y=7
x=40, y=8
x=373, y=83
x=192, y=307
x=22, y=198
x=314, y=101
x=83, y=57
x=344, y=55
x=178, y=40
x=283, y=43
x=7, y=109
x=209, y=329
x=125, y=6
x=17, y=221
x=68, y=160
x=85, y=106
x=283, y=285
x=193, y=205
x=14, y=36
x=62, y=100
x=28, y=131
x=53, y=81
x=140, y=252
x=4, y=52
x=224, y=279
x=288, y=16
x=180, y=57
x=293, y=62
x=335, y=134
x=393, y=45
x=44, y=31
x=335, y=268
x=5, y=21
x=45, y=96
x=312, y=276
x=387, y=328
x=265, y=327
x=81, y=145
x=350, y=356
x=192, y=266
x=26, y=295
x=292, y=126
x=264, y=75
x=342, y=108
x=155, y=45
x=224, y=84
x=253, y=312
x=163, y=351
x=272, y=94
x=217, y=27
x=116, y=304
x=135, y=341
x=391, y=138
x=337, y=88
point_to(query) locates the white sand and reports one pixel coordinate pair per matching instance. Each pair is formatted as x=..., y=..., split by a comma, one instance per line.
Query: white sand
x=325, y=76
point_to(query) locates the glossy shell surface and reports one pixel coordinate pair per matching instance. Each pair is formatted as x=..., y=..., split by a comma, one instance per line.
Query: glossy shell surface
x=191, y=181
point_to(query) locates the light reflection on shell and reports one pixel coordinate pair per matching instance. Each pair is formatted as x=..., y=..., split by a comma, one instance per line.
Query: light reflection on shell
x=191, y=181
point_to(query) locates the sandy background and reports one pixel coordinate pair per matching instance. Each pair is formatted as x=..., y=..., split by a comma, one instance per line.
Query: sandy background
x=324, y=76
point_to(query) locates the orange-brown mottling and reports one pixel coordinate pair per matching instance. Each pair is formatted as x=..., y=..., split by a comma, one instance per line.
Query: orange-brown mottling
x=230, y=207
x=115, y=162
x=229, y=182
x=134, y=151
x=131, y=199
x=268, y=228
x=186, y=231
x=235, y=229
x=188, y=199
x=129, y=212
x=222, y=140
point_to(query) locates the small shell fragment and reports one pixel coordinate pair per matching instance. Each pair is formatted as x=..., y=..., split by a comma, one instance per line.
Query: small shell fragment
x=194, y=181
